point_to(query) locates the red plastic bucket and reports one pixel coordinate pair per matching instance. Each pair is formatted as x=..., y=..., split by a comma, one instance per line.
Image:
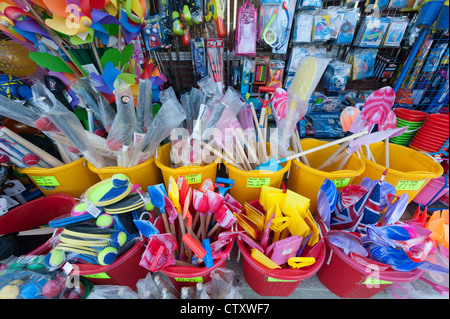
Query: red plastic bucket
x=36, y=213
x=125, y=271
x=277, y=282
x=347, y=278
x=185, y=276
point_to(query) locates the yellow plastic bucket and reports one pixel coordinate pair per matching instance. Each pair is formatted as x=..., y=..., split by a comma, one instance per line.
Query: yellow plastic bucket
x=72, y=179
x=306, y=180
x=145, y=174
x=409, y=170
x=194, y=175
x=247, y=184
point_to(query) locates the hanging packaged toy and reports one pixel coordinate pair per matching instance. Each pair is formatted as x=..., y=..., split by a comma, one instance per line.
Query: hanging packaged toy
x=336, y=75
x=297, y=53
x=309, y=4
x=362, y=61
x=192, y=11
x=216, y=10
x=245, y=43
x=397, y=4
x=276, y=70
x=261, y=70
x=396, y=30
x=199, y=64
x=302, y=29
x=214, y=50
x=153, y=33
x=336, y=15
x=247, y=77
x=321, y=27
x=348, y=26
x=372, y=32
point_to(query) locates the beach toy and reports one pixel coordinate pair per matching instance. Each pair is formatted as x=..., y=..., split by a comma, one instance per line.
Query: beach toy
x=256, y=216
x=157, y=198
x=299, y=262
x=326, y=201
x=127, y=204
x=263, y=259
x=280, y=251
x=225, y=219
x=396, y=210
x=109, y=191
x=248, y=226
x=224, y=184
x=201, y=205
x=347, y=242
x=214, y=202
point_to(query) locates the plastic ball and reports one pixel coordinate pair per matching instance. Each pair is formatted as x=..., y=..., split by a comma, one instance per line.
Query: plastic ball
x=107, y=256
x=118, y=239
x=135, y=188
x=54, y=259
x=9, y=292
x=31, y=159
x=104, y=221
x=79, y=209
x=75, y=293
x=51, y=289
x=149, y=206
x=30, y=291
x=120, y=180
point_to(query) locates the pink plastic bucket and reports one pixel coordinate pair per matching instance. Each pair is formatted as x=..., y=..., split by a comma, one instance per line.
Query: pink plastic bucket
x=432, y=191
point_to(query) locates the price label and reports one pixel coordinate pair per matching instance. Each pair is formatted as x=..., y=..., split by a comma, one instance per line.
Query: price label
x=271, y=279
x=409, y=185
x=46, y=181
x=341, y=182
x=192, y=279
x=193, y=179
x=102, y=275
x=258, y=182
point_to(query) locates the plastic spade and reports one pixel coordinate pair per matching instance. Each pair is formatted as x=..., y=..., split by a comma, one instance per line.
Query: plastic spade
x=157, y=199
x=183, y=188
x=201, y=205
x=224, y=184
x=207, y=184
x=171, y=214
x=174, y=196
x=326, y=201
x=214, y=201
x=396, y=210
x=347, y=242
x=396, y=258
x=225, y=219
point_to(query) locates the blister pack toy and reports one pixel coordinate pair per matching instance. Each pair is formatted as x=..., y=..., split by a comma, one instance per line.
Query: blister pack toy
x=245, y=43
x=336, y=75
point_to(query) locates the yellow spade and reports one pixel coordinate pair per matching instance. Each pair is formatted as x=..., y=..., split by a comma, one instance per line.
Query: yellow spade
x=279, y=223
x=263, y=196
x=263, y=259
x=256, y=216
x=294, y=201
x=174, y=196
x=298, y=225
x=313, y=227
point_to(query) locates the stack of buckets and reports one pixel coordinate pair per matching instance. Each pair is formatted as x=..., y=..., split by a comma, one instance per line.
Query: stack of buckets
x=433, y=134
x=413, y=119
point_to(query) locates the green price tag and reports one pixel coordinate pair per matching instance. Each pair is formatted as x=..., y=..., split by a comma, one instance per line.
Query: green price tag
x=193, y=179
x=101, y=275
x=192, y=279
x=271, y=279
x=46, y=181
x=341, y=182
x=373, y=281
x=258, y=182
x=409, y=185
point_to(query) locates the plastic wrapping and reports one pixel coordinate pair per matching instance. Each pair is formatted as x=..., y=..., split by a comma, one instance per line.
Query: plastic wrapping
x=169, y=117
x=20, y=111
x=66, y=122
x=120, y=136
x=25, y=277
x=112, y=291
x=297, y=103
